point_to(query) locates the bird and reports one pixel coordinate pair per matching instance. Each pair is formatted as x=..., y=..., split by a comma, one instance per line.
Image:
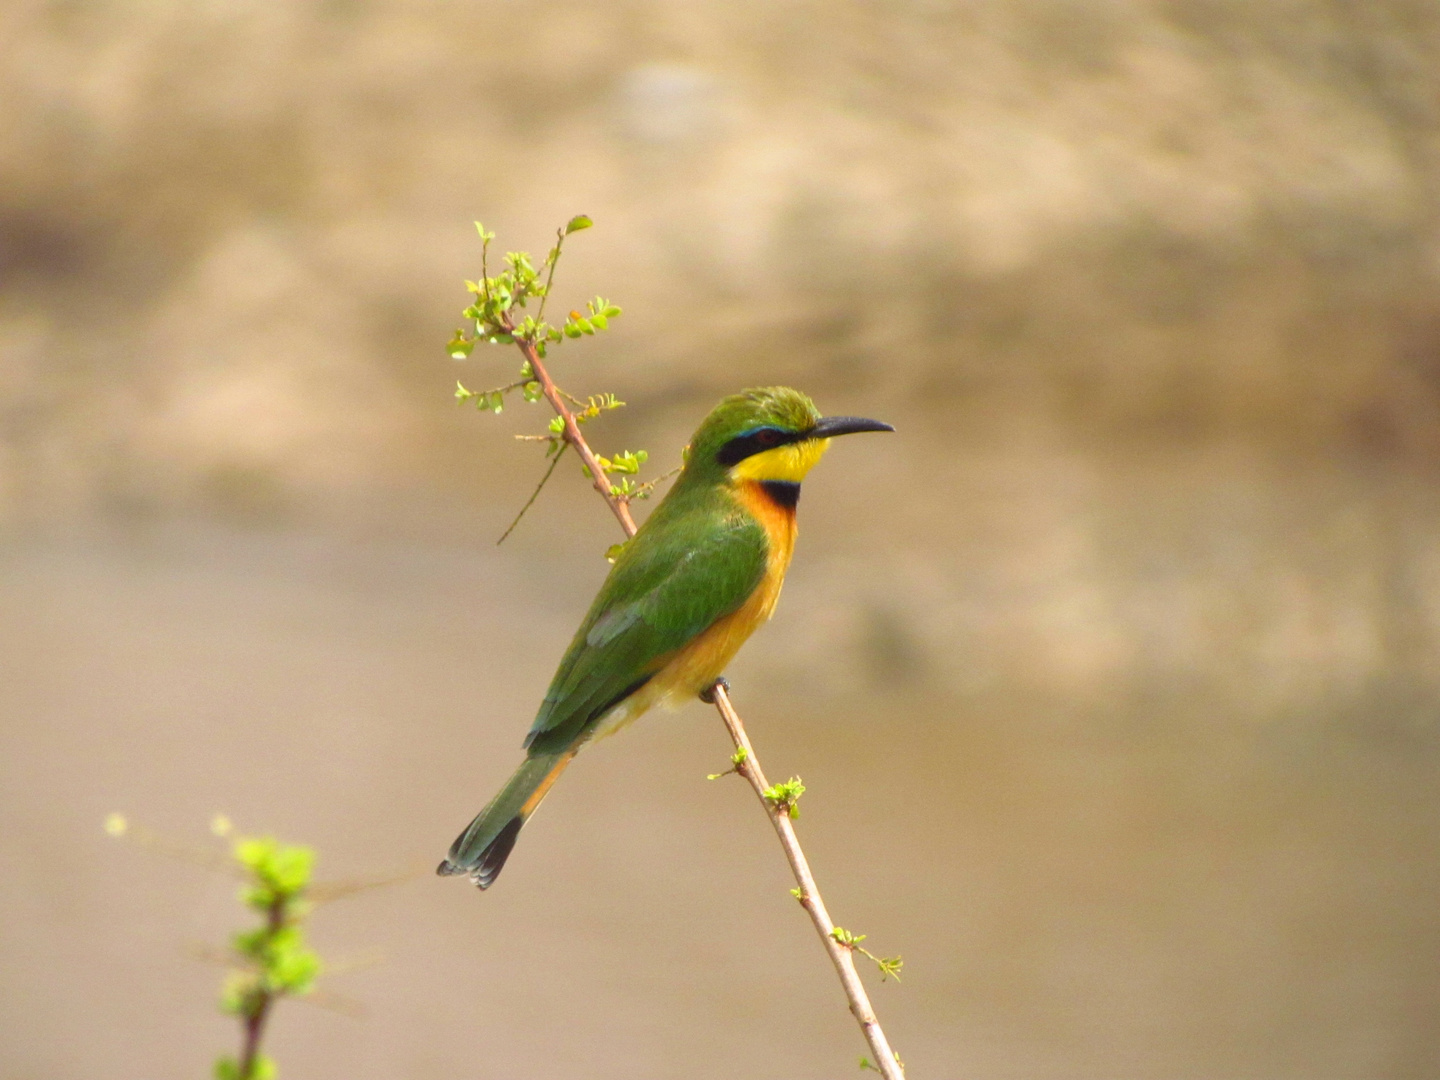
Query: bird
x=684, y=593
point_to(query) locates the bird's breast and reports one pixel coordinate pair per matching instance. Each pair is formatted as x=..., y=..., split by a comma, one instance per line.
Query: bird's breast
x=772, y=504
x=700, y=663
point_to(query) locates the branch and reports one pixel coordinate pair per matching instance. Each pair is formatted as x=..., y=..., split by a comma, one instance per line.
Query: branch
x=841, y=955
x=619, y=506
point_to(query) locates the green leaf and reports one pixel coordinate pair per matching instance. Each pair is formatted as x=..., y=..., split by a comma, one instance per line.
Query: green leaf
x=613, y=551
x=598, y=321
x=459, y=347
x=254, y=852
x=576, y=223
x=571, y=331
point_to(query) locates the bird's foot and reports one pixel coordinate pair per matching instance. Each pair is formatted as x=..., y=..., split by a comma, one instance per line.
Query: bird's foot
x=708, y=694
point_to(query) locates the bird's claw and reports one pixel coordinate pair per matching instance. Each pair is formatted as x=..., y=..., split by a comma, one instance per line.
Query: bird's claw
x=708, y=694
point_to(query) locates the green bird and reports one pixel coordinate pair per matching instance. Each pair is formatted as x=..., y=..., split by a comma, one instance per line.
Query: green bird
x=703, y=571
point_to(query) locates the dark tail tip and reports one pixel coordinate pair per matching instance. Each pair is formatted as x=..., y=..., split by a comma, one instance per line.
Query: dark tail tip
x=492, y=859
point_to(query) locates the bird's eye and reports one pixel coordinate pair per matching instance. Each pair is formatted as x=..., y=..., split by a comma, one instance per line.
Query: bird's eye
x=767, y=437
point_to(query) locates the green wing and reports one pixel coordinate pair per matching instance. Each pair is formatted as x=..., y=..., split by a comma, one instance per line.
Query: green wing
x=678, y=575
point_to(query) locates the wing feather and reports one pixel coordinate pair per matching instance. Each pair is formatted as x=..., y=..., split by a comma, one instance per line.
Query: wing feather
x=665, y=590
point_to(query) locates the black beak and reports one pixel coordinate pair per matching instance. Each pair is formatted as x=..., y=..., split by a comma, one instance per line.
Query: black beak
x=831, y=426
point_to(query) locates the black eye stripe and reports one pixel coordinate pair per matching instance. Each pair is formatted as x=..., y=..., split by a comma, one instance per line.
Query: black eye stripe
x=743, y=446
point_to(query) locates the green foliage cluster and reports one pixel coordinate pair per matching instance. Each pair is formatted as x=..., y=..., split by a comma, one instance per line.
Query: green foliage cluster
x=498, y=300
x=498, y=315
x=274, y=960
x=786, y=795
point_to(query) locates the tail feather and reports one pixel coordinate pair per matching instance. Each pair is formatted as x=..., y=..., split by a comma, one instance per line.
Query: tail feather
x=481, y=850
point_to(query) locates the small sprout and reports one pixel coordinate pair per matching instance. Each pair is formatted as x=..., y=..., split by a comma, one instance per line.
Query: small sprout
x=557, y=424
x=116, y=825
x=532, y=392
x=865, y=1063
x=737, y=759
x=786, y=795
x=262, y=1068
x=461, y=394
x=798, y=894
x=627, y=462
x=889, y=965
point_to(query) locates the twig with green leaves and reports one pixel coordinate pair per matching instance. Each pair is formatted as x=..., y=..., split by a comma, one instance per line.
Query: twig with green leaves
x=495, y=317
x=275, y=961
x=271, y=961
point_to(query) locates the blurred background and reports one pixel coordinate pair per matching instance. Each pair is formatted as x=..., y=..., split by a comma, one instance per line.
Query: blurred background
x=1112, y=674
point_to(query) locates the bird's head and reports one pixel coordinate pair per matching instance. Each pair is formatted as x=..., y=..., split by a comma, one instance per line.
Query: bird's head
x=770, y=433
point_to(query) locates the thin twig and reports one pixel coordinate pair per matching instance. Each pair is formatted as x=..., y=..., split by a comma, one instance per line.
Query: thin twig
x=842, y=957
x=255, y=1020
x=749, y=767
x=619, y=506
x=534, y=494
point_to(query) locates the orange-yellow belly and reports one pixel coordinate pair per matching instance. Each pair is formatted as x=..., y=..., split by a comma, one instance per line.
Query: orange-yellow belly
x=700, y=663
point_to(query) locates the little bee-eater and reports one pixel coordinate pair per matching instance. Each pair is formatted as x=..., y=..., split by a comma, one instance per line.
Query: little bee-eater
x=687, y=590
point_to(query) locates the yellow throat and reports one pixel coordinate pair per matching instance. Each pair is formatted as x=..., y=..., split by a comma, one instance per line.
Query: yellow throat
x=786, y=463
